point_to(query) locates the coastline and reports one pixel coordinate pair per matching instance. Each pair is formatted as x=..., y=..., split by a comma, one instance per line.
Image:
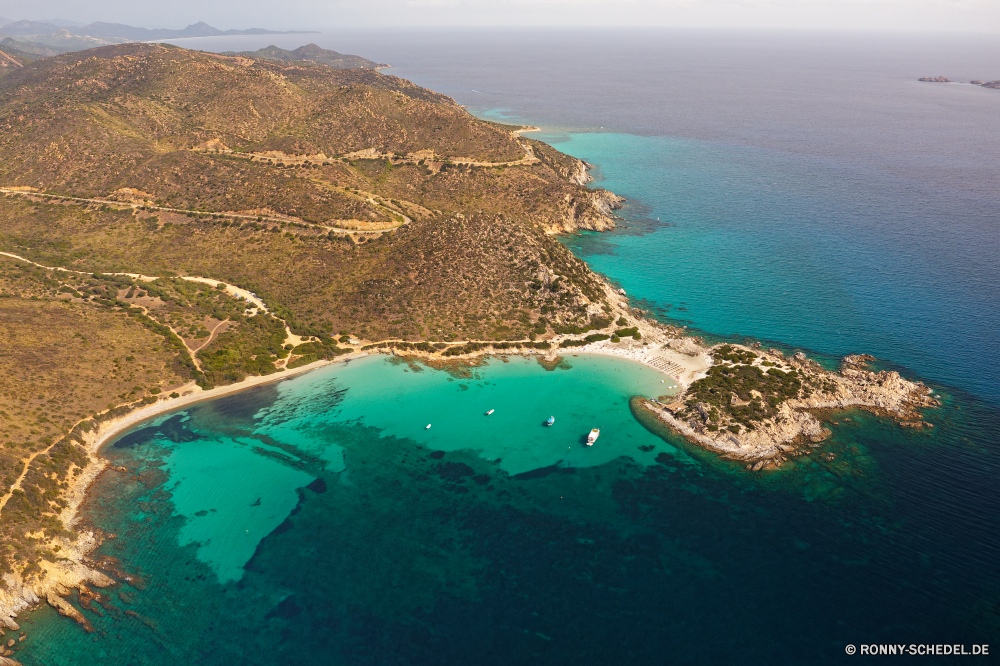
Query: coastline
x=73, y=570
x=192, y=394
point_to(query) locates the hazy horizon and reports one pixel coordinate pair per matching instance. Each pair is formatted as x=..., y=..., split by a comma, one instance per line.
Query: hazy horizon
x=934, y=16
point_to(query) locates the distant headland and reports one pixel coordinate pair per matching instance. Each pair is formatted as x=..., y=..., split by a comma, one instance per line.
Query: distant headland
x=976, y=82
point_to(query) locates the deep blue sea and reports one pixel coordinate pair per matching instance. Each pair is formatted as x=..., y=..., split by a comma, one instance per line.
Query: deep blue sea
x=799, y=189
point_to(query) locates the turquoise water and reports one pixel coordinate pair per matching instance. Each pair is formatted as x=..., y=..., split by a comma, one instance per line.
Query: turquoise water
x=739, y=241
x=216, y=475
x=787, y=189
x=317, y=521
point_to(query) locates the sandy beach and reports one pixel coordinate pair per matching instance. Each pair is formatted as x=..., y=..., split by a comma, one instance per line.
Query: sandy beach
x=682, y=368
x=191, y=394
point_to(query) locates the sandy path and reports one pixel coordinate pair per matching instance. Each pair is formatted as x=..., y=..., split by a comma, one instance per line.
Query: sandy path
x=185, y=211
x=208, y=340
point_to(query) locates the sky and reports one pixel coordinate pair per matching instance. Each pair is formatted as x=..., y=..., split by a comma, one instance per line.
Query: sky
x=879, y=15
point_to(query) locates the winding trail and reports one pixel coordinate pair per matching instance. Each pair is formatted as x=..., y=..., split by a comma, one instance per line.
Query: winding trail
x=290, y=338
x=185, y=211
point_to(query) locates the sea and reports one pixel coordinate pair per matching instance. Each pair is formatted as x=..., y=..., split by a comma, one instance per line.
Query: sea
x=802, y=190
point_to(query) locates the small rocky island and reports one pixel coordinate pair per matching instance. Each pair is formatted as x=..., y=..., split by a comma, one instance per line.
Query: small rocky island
x=986, y=84
x=935, y=79
x=762, y=408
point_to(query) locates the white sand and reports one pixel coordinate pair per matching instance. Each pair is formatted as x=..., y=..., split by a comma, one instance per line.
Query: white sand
x=191, y=394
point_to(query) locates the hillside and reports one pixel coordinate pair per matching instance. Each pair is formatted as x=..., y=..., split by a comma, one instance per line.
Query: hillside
x=182, y=191
x=352, y=203
x=132, y=115
x=311, y=53
x=101, y=33
x=29, y=50
x=11, y=59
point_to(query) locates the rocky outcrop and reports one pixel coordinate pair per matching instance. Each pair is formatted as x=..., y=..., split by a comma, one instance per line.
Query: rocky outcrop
x=795, y=427
x=131, y=195
x=214, y=145
x=58, y=579
x=578, y=174
x=590, y=210
x=66, y=609
x=987, y=84
x=935, y=79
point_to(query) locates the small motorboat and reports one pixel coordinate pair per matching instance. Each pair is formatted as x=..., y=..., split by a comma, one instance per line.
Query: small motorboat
x=428, y=427
x=490, y=412
x=551, y=420
x=592, y=437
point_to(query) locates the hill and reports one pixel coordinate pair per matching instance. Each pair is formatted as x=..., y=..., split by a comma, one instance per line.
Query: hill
x=348, y=202
x=311, y=53
x=118, y=32
x=29, y=50
x=201, y=131
x=11, y=59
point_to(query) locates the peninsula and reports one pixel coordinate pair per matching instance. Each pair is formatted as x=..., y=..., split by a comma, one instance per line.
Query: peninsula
x=176, y=224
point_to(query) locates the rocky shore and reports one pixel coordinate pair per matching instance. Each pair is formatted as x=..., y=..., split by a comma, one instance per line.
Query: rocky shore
x=594, y=211
x=74, y=573
x=792, y=425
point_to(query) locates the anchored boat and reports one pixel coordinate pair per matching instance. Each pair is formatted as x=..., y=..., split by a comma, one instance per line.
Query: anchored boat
x=551, y=420
x=490, y=412
x=592, y=437
x=428, y=426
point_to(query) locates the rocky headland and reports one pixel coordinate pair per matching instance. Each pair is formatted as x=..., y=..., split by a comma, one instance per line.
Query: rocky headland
x=763, y=408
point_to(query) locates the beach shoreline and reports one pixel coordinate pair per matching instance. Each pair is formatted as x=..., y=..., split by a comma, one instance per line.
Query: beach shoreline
x=192, y=395
x=73, y=569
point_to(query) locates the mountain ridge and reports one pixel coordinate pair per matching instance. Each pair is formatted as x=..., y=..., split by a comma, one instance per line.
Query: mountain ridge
x=98, y=33
x=310, y=53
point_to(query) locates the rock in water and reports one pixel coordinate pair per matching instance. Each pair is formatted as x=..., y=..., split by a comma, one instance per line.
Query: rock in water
x=67, y=609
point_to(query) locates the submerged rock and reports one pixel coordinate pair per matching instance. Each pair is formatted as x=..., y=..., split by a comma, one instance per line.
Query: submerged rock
x=68, y=610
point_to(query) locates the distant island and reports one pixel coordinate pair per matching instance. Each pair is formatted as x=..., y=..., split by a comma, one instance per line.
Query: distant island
x=39, y=38
x=311, y=53
x=975, y=82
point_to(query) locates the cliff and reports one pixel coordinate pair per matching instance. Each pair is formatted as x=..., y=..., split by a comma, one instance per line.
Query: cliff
x=590, y=210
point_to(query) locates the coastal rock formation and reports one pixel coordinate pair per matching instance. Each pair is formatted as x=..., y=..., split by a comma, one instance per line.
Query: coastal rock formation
x=57, y=581
x=66, y=609
x=761, y=407
x=935, y=79
x=578, y=174
x=590, y=210
x=987, y=84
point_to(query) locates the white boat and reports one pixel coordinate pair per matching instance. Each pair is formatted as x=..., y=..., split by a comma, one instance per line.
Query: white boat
x=551, y=420
x=428, y=427
x=592, y=437
x=490, y=412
